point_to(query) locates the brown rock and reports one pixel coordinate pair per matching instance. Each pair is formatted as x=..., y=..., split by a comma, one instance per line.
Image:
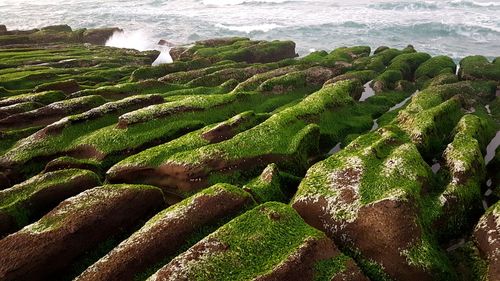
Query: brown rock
x=48, y=114
x=391, y=228
x=48, y=246
x=57, y=28
x=487, y=238
x=218, y=42
x=167, y=232
x=68, y=87
x=99, y=36
x=40, y=194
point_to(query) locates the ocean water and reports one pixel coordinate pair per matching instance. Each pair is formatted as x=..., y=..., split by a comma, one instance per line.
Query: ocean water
x=453, y=27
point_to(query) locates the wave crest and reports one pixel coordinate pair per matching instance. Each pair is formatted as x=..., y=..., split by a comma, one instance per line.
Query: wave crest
x=421, y=5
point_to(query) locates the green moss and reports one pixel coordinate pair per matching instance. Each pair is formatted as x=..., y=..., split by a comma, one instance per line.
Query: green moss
x=458, y=205
x=363, y=76
x=328, y=269
x=468, y=263
x=389, y=157
x=373, y=270
x=123, y=90
x=19, y=108
x=387, y=79
x=161, y=70
x=64, y=162
x=158, y=155
x=24, y=152
x=426, y=256
x=431, y=115
x=287, y=82
x=81, y=202
x=408, y=63
x=189, y=202
x=219, y=77
x=242, y=50
x=43, y=97
x=435, y=66
x=441, y=79
x=388, y=55
x=430, y=128
x=248, y=144
x=14, y=201
x=255, y=244
x=479, y=68
x=267, y=187
x=384, y=166
x=314, y=57
x=10, y=138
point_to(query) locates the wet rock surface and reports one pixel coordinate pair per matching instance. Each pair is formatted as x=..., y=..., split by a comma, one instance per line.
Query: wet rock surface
x=241, y=161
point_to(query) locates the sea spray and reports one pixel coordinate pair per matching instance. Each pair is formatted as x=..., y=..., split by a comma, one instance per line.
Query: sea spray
x=138, y=39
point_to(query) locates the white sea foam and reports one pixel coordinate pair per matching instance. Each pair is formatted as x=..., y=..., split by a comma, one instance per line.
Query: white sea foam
x=250, y=28
x=238, y=2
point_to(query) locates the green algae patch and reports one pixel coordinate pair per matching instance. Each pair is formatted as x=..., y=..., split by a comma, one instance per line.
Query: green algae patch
x=43, y=97
x=59, y=136
x=435, y=66
x=374, y=171
x=401, y=67
x=171, y=232
x=82, y=202
x=458, y=206
x=247, y=247
x=157, y=155
x=28, y=200
x=430, y=128
x=479, y=68
x=468, y=263
x=267, y=187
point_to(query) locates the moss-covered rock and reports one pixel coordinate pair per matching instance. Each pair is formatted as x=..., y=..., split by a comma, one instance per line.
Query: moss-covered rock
x=21, y=160
x=267, y=187
x=16, y=108
x=401, y=67
x=432, y=114
x=378, y=175
x=170, y=231
x=50, y=245
x=487, y=239
x=435, y=66
x=58, y=34
x=479, y=68
x=67, y=162
x=297, y=139
x=460, y=202
x=270, y=242
x=28, y=201
x=237, y=49
x=186, y=127
x=67, y=86
x=50, y=113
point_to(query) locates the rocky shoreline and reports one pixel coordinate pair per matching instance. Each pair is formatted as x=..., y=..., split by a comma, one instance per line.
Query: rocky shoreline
x=242, y=161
